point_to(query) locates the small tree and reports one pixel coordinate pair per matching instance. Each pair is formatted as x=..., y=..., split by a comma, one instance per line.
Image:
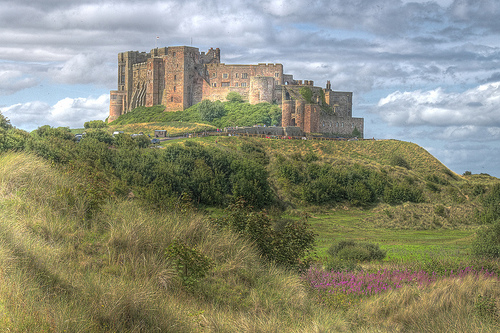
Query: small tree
x=4, y=122
x=233, y=96
x=95, y=124
x=211, y=110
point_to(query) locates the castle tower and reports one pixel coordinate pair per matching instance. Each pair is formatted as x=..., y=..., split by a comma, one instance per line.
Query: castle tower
x=117, y=104
x=261, y=89
x=286, y=114
x=180, y=77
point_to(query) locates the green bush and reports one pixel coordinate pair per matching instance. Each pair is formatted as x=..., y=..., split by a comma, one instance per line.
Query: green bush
x=234, y=97
x=398, y=160
x=284, y=242
x=403, y=192
x=95, y=124
x=306, y=93
x=191, y=265
x=209, y=111
x=487, y=241
x=350, y=250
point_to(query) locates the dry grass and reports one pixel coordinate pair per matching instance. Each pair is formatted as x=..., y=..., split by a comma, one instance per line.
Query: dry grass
x=448, y=305
x=59, y=273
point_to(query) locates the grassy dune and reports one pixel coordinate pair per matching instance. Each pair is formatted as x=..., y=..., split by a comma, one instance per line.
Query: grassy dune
x=67, y=265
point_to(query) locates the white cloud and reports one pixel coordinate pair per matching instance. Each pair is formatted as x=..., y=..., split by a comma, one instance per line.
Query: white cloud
x=12, y=81
x=479, y=106
x=69, y=112
x=84, y=69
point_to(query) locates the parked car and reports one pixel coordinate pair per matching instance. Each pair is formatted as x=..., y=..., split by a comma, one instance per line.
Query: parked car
x=155, y=141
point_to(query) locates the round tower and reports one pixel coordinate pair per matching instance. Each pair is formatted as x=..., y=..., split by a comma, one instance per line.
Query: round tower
x=286, y=113
x=116, y=105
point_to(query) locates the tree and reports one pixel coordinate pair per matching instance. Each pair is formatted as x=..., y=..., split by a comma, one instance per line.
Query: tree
x=95, y=124
x=233, y=96
x=4, y=122
x=211, y=110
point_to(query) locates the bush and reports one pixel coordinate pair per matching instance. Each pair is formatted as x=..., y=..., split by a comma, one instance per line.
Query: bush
x=398, y=160
x=402, y=193
x=350, y=250
x=487, y=242
x=95, y=124
x=234, y=97
x=287, y=244
x=211, y=110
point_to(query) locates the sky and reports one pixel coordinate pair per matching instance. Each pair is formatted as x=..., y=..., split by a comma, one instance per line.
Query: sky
x=420, y=71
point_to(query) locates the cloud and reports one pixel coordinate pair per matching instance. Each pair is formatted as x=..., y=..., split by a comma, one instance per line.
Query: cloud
x=68, y=112
x=13, y=80
x=85, y=69
x=474, y=111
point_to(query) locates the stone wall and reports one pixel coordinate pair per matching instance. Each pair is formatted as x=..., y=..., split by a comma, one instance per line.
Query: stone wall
x=341, y=126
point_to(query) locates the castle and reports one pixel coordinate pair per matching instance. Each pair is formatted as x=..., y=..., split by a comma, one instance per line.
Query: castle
x=181, y=76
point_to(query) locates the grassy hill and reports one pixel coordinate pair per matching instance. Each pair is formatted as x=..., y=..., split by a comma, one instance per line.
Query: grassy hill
x=64, y=270
x=106, y=236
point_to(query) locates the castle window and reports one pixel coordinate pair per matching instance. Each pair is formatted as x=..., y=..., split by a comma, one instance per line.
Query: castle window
x=236, y=84
x=236, y=75
x=224, y=76
x=342, y=124
x=175, y=88
x=214, y=74
x=276, y=74
x=175, y=77
x=243, y=84
x=171, y=99
x=173, y=54
x=214, y=84
x=337, y=124
x=244, y=76
x=224, y=84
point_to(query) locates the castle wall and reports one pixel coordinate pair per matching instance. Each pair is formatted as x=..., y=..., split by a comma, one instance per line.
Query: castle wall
x=226, y=78
x=299, y=113
x=341, y=126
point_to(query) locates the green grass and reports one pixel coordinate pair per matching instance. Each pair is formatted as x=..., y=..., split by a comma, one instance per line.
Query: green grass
x=62, y=268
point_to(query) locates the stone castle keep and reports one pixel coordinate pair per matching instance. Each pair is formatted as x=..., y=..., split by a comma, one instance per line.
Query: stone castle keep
x=181, y=76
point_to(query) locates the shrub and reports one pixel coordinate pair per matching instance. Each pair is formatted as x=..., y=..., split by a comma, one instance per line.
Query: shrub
x=306, y=93
x=190, y=263
x=95, y=124
x=233, y=96
x=211, y=110
x=402, y=193
x=398, y=160
x=350, y=250
x=287, y=244
x=487, y=241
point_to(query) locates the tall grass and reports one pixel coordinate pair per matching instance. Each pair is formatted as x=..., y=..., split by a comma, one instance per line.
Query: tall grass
x=60, y=273
x=62, y=269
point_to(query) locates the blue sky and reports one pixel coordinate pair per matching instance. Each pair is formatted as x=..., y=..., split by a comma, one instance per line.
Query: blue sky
x=421, y=71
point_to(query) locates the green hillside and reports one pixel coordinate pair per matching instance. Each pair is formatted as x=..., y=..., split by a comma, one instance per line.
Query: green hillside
x=239, y=234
